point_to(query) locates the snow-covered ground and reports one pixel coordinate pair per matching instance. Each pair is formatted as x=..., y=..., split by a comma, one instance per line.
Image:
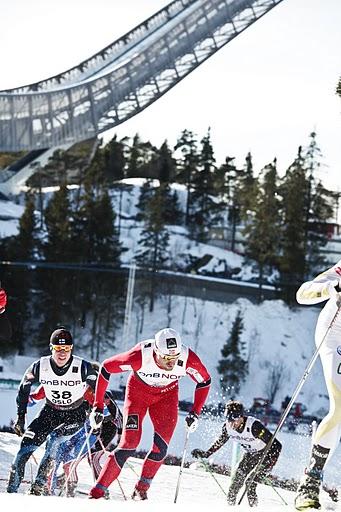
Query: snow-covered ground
x=272, y=333
x=198, y=489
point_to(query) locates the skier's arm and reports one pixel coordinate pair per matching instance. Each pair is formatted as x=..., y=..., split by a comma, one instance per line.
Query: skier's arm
x=218, y=443
x=123, y=362
x=198, y=372
x=321, y=288
x=259, y=431
x=30, y=377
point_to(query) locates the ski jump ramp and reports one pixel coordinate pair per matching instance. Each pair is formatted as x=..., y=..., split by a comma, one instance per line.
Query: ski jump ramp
x=125, y=77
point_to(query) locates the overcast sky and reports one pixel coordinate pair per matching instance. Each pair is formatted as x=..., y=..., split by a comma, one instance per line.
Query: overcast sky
x=264, y=92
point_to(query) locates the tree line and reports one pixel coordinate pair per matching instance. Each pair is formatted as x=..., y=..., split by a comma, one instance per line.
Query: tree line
x=283, y=220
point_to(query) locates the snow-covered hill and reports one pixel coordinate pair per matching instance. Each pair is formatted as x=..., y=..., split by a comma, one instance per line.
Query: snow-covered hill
x=198, y=489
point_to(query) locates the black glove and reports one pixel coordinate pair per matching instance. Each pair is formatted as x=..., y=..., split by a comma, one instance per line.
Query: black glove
x=191, y=422
x=96, y=418
x=199, y=454
x=19, y=425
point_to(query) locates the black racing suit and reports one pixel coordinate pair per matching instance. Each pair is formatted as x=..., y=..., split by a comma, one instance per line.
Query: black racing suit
x=62, y=420
x=249, y=461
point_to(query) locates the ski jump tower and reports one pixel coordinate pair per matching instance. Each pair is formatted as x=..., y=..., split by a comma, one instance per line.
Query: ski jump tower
x=125, y=77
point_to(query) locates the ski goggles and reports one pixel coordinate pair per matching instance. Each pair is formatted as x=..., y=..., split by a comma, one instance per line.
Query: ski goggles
x=59, y=348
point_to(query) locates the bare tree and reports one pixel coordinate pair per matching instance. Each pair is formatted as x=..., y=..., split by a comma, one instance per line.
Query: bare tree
x=277, y=374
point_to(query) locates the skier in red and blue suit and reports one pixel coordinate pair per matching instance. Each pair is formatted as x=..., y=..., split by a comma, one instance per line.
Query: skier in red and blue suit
x=156, y=366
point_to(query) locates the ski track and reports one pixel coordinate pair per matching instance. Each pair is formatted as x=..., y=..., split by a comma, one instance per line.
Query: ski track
x=198, y=489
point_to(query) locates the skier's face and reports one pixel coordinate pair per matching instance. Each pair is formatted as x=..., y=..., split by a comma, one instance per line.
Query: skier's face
x=61, y=354
x=166, y=362
x=236, y=423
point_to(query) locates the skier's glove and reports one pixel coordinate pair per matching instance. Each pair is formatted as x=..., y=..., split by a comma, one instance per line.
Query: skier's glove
x=96, y=418
x=3, y=300
x=31, y=401
x=19, y=425
x=199, y=454
x=192, y=422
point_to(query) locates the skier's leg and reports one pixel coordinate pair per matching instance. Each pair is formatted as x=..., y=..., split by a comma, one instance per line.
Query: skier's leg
x=135, y=408
x=35, y=434
x=238, y=479
x=164, y=415
x=327, y=435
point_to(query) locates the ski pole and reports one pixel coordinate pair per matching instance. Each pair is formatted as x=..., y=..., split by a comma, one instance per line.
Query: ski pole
x=181, y=466
x=208, y=469
x=293, y=398
x=117, y=480
x=77, y=459
x=267, y=479
x=90, y=454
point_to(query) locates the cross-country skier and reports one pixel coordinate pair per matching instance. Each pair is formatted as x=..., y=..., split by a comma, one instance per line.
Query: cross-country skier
x=72, y=451
x=253, y=436
x=63, y=377
x=156, y=366
x=326, y=286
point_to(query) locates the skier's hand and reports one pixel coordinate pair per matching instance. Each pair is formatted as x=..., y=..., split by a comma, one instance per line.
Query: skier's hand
x=192, y=422
x=3, y=300
x=199, y=454
x=31, y=401
x=19, y=425
x=96, y=418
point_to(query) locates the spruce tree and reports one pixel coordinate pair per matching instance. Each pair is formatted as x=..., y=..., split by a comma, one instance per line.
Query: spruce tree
x=140, y=158
x=58, y=218
x=115, y=159
x=295, y=207
x=165, y=164
x=263, y=228
x=232, y=367
x=205, y=211
x=153, y=242
x=226, y=187
x=188, y=166
x=24, y=246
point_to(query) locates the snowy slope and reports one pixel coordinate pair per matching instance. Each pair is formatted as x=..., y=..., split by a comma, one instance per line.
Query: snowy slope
x=198, y=489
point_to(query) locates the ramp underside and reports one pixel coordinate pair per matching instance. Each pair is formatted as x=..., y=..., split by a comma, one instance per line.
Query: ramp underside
x=97, y=97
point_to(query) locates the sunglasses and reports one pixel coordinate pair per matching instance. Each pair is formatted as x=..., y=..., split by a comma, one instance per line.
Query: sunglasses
x=168, y=358
x=59, y=348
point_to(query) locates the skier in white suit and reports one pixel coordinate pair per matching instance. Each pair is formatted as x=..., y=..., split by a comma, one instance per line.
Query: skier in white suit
x=326, y=286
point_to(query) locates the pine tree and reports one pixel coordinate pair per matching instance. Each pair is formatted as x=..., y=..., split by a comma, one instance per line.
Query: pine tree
x=140, y=158
x=205, y=207
x=58, y=246
x=232, y=367
x=263, y=227
x=24, y=246
x=295, y=207
x=187, y=144
x=115, y=159
x=165, y=164
x=226, y=186
x=153, y=242
x=247, y=185
x=94, y=231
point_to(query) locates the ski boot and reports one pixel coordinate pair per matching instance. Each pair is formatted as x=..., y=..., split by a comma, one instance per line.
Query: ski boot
x=252, y=495
x=307, y=496
x=71, y=489
x=38, y=490
x=139, y=494
x=97, y=492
